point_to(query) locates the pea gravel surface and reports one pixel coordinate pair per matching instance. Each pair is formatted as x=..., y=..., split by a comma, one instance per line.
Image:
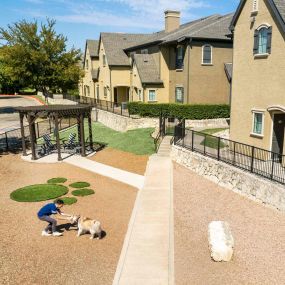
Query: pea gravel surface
x=28, y=258
x=258, y=231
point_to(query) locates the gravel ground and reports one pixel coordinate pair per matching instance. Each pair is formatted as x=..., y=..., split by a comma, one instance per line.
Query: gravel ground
x=28, y=258
x=259, y=256
x=121, y=159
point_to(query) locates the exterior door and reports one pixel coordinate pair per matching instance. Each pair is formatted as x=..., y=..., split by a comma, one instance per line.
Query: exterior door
x=115, y=95
x=278, y=133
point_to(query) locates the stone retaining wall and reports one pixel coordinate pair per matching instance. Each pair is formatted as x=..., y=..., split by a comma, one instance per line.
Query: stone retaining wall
x=123, y=124
x=247, y=184
x=211, y=123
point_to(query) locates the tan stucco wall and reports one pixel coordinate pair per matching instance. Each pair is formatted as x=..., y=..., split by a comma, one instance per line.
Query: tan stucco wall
x=257, y=83
x=104, y=76
x=87, y=79
x=209, y=84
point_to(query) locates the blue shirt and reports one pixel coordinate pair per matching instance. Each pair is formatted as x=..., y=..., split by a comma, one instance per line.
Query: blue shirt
x=48, y=210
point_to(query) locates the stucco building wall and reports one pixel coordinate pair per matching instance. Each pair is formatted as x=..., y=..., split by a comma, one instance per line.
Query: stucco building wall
x=257, y=82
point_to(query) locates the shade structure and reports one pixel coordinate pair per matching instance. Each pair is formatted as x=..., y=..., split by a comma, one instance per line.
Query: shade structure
x=56, y=113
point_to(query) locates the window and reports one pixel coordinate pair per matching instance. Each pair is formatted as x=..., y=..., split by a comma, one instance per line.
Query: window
x=144, y=51
x=97, y=91
x=104, y=60
x=151, y=95
x=255, y=6
x=139, y=94
x=207, y=54
x=257, y=123
x=105, y=91
x=179, y=57
x=262, y=40
x=88, y=90
x=87, y=64
x=179, y=94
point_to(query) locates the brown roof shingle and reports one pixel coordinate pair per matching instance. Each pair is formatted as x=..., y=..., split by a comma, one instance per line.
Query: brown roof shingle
x=93, y=46
x=115, y=43
x=147, y=69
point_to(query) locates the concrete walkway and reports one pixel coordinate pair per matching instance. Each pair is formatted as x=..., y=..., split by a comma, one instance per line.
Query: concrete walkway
x=147, y=254
x=129, y=178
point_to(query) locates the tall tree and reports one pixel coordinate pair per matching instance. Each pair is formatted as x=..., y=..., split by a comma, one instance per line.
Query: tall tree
x=36, y=56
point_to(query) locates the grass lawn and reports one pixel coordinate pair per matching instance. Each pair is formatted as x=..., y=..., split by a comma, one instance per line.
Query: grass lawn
x=212, y=142
x=83, y=192
x=39, y=192
x=213, y=131
x=137, y=141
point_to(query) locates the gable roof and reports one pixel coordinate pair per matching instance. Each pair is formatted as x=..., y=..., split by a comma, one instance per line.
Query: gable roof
x=276, y=6
x=212, y=27
x=93, y=46
x=115, y=43
x=147, y=69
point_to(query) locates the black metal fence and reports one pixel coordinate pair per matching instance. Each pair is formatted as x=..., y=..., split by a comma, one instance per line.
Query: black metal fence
x=116, y=108
x=12, y=140
x=255, y=160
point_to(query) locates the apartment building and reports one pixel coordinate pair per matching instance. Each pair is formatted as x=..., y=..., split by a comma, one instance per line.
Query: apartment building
x=187, y=63
x=258, y=89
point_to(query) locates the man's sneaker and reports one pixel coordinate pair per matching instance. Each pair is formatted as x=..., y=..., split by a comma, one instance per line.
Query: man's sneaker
x=45, y=234
x=57, y=234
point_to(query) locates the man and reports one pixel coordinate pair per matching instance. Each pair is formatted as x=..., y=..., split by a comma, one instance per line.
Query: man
x=44, y=215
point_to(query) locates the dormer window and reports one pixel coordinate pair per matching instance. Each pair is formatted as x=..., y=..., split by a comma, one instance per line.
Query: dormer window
x=255, y=6
x=207, y=55
x=262, y=40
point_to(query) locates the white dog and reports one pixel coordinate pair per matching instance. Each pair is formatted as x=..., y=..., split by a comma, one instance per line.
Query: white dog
x=88, y=225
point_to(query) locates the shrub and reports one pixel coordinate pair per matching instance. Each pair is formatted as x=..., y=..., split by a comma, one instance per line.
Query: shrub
x=82, y=192
x=191, y=112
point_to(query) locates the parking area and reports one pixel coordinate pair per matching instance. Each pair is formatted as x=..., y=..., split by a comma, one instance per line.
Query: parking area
x=9, y=119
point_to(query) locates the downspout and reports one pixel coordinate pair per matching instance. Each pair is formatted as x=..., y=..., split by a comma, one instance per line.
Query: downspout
x=111, y=89
x=188, y=71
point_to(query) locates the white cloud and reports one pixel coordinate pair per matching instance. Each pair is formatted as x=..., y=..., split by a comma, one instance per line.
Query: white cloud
x=134, y=14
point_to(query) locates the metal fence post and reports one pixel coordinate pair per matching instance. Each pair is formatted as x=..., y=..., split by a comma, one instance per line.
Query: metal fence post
x=6, y=138
x=234, y=160
x=121, y=109
x=252, y=159
x=272, y=167
x=192, y=140
x=219, y=144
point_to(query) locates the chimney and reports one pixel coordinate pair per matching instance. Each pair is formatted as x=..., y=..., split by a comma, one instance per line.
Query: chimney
x=172, y=20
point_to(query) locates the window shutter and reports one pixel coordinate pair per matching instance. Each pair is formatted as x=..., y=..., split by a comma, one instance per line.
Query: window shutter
x=255, y=45
x=269, y=37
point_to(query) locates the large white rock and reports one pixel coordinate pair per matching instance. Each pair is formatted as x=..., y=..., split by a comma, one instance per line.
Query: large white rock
x=221, y=242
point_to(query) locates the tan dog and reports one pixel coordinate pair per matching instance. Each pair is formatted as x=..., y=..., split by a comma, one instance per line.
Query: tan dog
x=88, y=225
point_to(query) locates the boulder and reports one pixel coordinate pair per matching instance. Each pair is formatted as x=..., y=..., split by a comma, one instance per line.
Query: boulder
x=221, y=242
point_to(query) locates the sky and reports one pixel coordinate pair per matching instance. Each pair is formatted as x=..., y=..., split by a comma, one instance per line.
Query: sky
x=79, y=20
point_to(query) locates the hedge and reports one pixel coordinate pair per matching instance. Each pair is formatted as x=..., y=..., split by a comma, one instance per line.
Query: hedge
x=191, y=112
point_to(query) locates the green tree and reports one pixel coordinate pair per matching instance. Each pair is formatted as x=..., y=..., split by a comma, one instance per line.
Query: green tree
x=36, y=56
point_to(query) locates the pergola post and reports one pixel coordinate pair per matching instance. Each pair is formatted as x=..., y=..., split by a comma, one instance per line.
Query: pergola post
x=78, y=130
x=59, y=158
x=23, y=134
x=83, y=152
x=32, y=136
x=90, y=131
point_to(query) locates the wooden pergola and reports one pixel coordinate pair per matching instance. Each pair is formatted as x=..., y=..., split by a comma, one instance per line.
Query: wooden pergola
x=55, y=113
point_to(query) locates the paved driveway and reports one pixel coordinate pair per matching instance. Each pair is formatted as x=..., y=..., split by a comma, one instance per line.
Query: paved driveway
x=9, y=119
